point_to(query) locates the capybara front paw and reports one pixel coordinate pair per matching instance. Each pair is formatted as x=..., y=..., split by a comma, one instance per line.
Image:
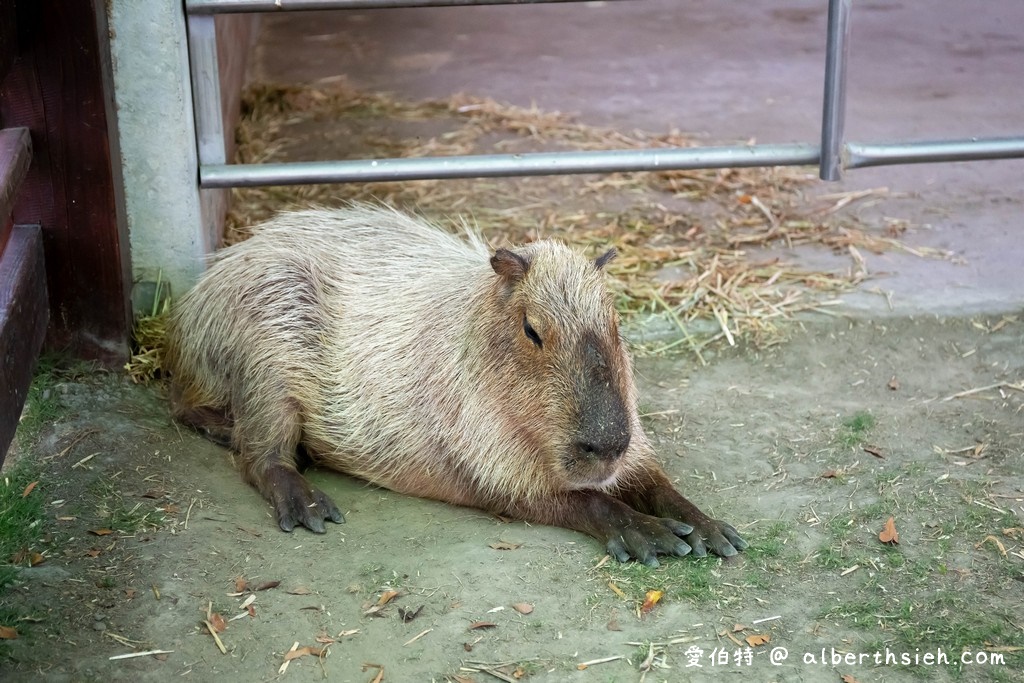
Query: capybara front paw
x=297, y=503
x=644, y=538
x=721, y=538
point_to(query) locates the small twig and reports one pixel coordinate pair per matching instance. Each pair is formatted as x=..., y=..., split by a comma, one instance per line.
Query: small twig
x=189, y=513
x=216, y=638
x=84, y=460
x=497, y=674
x=978, y=390
x=772, y=220
x=604, y=660
x=147, y=653
x=284, y=666
x=761, y=621
x=417, y=637
x=645, y=665
x=681, y=326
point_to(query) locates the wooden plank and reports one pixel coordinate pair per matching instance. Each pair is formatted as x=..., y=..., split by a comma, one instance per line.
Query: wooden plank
x=23, y=316
x=15, y=157
x=8, y=37
x=55, y=89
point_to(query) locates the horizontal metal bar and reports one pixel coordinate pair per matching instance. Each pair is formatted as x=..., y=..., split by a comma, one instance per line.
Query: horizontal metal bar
x=238, y=6
x=857, y=155
x=502, y=165
x=863, y=155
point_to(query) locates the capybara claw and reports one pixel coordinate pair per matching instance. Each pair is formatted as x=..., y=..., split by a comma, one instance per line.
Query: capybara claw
x=296, y=502
x=718, y=537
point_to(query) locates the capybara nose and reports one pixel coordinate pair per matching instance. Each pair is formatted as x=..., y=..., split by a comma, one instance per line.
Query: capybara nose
x=610, y=448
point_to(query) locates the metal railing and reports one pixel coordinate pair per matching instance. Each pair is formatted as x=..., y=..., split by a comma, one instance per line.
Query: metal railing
x=832, y=156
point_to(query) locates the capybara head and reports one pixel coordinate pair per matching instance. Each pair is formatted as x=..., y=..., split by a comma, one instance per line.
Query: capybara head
x=557, y=333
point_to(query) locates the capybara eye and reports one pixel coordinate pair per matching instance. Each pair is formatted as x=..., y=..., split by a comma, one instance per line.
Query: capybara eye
x=532, y=333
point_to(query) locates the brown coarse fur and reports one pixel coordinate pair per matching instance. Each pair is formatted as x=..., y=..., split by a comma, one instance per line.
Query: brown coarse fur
x=394, y=351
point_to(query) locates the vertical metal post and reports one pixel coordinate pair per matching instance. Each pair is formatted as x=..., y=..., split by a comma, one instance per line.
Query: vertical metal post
x=206, y=102
x=833, y=110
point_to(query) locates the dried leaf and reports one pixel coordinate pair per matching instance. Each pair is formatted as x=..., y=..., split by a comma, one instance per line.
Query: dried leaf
x=218, y=623
x=380, y=672
x=523, y=607
x=1016, y=532
x=267, y=585
x=36, y=559
x=481, y=624
x=93, y=552
x=518, y=673
x=505, y=545
x=738, y=627
x=828, y=474
x=28, y=489
x=993, y=539
x=874, y=450
x=302, y=652
x=130, y=593
x=889, y=533
x=847, y=678
x=650, y=601
x=756, y=639
x=301, y=590
x=458, y=678
x=8, y=633
x=325, y=640
x=894, y=384
x=101, y=532
x=386, y=597
x=408, y=615
x=613, y=625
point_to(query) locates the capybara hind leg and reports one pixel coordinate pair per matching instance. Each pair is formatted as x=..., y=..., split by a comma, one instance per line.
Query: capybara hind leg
x=268, y=439
x=651, y=492
x=213, y=423
x=625, y=532
x=295, y=501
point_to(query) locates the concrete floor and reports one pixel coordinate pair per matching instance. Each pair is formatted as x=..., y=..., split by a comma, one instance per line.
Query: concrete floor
x=736, y=71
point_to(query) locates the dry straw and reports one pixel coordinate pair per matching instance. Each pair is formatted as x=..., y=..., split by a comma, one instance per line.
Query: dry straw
x=693, y=245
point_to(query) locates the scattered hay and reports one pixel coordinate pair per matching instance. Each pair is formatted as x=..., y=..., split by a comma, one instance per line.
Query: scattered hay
x=146, y=361
x=684, y=237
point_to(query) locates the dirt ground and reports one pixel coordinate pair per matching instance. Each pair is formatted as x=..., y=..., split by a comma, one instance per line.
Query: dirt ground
x=777, y=441
x=808, y=445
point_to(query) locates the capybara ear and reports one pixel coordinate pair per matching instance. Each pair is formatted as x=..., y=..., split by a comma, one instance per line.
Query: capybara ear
x=509, y=265
x=602, y=260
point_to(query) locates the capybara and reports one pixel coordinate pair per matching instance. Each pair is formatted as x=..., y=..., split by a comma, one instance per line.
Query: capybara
x=370, y=342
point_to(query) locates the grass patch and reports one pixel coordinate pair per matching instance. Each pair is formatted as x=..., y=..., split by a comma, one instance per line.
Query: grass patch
x=129, y=520
x=771, y=542
x=681, y=578
x=854, y=429
x=21, y=519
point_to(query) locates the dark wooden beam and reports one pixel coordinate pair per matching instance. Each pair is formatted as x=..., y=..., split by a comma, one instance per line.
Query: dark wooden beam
x=23, y=317
x=8, y=37
x=55, y=89
x=15, y=158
